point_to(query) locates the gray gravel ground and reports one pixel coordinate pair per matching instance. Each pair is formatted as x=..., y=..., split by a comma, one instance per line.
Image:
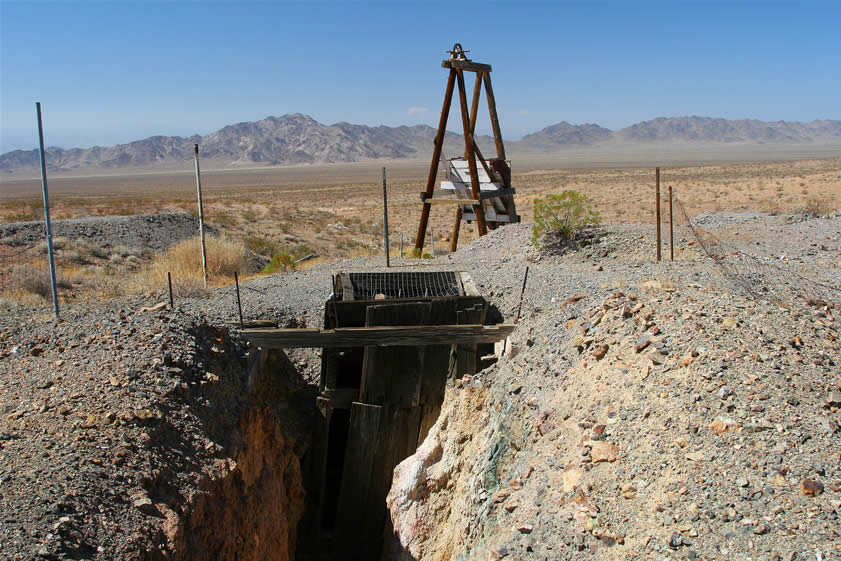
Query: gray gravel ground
x=154, y=232
x=56, y=391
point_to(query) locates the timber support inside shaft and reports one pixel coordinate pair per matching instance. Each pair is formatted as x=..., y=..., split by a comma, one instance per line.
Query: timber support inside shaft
x=483, y=194
x=391, y=343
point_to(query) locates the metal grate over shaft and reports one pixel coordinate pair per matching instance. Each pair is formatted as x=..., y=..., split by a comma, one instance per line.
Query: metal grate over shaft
x=438, y=284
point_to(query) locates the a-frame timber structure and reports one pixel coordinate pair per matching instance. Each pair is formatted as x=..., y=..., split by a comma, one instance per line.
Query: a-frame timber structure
x=484, y=195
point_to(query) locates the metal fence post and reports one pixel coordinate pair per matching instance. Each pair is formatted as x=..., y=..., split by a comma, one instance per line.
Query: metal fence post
x=657, y=189
x=385, y=222
x=201, y=218
x=47, y=208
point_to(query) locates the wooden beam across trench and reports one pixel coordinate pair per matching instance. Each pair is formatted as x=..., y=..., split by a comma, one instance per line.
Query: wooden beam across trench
x=385, y=336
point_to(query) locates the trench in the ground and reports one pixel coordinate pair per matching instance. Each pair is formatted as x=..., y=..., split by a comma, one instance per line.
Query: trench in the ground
x=348, y=475
x=324, y=499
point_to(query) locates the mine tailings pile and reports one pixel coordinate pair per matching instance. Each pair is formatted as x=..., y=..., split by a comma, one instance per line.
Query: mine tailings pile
x=390, y=344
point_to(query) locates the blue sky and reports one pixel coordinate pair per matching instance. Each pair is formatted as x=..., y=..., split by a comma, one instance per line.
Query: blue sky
x=108, y=72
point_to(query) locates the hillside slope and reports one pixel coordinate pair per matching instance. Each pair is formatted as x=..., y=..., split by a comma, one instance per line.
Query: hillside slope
x=647, y=411
x=299, y=139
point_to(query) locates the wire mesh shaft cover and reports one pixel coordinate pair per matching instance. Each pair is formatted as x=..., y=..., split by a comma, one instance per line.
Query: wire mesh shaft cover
x=396, y=285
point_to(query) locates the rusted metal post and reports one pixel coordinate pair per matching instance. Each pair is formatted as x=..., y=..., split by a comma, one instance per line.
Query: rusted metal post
x=385, y=222
x=657, y=190
x=436, y=156
x=522, y=292
x=47, y=209
x=401, y=245
x=201, y=217
x=470, y=156
x=239, y=304
x=671, y=228
x=169, y=281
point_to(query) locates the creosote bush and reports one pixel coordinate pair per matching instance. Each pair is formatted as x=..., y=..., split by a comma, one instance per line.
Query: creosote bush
x=281, y=262
x=563, y=214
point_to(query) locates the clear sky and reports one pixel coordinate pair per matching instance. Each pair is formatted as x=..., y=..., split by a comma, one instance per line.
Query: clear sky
x=109, y=72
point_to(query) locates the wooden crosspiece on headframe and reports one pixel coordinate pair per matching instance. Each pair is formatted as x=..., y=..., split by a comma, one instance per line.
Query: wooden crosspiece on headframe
x=489, y=197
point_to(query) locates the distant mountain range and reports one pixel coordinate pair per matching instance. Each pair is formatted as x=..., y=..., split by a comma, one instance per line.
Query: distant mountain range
x=299, y=139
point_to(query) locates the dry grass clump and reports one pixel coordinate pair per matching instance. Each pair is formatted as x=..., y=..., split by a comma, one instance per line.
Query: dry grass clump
x=224, y=257
x=815, y=205
x=30, y=284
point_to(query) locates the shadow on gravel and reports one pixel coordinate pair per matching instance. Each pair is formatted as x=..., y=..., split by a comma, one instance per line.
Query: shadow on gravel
x=556, y=244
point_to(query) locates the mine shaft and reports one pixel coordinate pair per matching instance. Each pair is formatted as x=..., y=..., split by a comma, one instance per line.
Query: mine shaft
x=391, y=342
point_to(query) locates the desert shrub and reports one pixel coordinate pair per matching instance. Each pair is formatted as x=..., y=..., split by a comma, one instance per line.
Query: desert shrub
x=814, y=206
x=124, y=251
x=261, y=246
x=14, y=241
x=249, y=215
x=35, y=280
x=73, y=256
x=281, y=262
x=97, y=251
x=563, y=214
x=222, y=219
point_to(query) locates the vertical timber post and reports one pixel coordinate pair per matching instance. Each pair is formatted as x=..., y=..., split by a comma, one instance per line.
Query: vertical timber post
x=385, y=222
x=436, y=155
x=456, y=228
x=201, y=217
x=470, y=156
x=671, y=229
x=432, y=241
x=489, y=93
x=47, y=209
x=657, y=191
x=401, y=245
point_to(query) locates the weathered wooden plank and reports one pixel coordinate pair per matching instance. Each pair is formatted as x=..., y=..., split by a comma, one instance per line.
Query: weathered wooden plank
x=466, y=65
x=460, y=171
x=437, y=357
x=498, y=193
x=347, y=288
x=497, y=218
x=471, y=202
x=450, y=186
x=410, y=335
x=393, y=375
x=357, y=499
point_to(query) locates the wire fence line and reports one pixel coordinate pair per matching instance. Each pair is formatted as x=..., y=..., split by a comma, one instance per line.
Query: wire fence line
x=760, y=277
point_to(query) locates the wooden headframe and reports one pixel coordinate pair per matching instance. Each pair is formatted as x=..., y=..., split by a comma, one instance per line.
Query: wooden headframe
x=499, y=172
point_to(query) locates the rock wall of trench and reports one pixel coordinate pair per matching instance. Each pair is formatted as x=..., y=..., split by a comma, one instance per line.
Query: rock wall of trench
x=248, y=505
x=252, y=511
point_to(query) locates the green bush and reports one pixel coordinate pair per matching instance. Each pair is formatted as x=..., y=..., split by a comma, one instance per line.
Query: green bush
x=563, y=214
x=281, y=262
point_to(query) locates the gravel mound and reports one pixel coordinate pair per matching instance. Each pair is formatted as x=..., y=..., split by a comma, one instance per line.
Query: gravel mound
x=155, y=232
x=647, y=410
